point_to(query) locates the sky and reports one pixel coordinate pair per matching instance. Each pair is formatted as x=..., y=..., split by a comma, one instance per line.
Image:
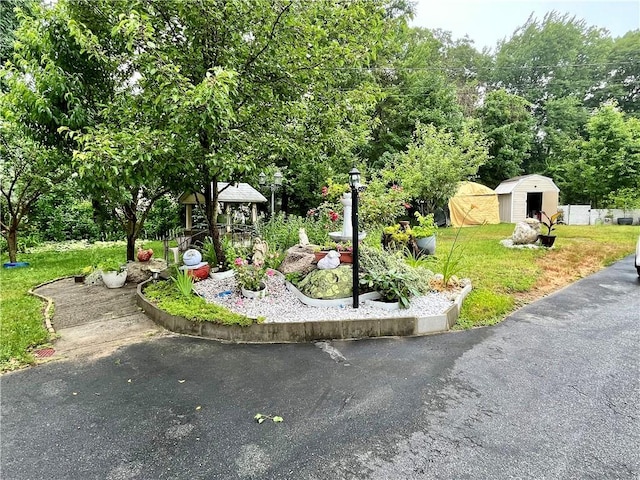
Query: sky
x=488, y=21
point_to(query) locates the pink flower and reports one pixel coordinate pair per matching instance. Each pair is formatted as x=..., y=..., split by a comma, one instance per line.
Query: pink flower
x=270, y=273
x=407, y=206
x=325, y=191
x=238, y=261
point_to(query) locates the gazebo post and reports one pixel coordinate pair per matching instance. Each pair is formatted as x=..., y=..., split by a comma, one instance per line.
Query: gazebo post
x=254, y=213
x=189, y=217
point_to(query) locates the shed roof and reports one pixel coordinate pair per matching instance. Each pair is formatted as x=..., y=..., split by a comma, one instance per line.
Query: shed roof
x=236, y=193
x=508, y=186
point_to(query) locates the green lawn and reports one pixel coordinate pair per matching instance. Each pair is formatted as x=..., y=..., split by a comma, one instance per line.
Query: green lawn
x=21, y=314
x=503, y=279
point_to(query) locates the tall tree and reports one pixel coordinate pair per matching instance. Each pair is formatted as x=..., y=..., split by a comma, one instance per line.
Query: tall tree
x=508, y=124
x=436, y=161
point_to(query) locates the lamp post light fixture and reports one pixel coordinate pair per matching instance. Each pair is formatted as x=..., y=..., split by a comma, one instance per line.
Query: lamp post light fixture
x=274, y=185
x=356, y=187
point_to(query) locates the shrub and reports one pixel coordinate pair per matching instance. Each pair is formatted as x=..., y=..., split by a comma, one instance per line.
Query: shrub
x=389, y=274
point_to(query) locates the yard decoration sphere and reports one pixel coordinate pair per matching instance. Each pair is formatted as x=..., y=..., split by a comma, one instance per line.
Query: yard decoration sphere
x=191, y=257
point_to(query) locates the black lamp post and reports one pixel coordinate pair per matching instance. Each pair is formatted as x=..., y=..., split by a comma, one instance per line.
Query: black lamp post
x=275, y=185
x=356, y=187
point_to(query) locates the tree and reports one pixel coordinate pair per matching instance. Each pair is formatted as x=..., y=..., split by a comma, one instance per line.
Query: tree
x=416, y=89
x=436, y=161
x=27, y=170
x=622, y=82
x=230, y=77
x=509, y=126
x=608, y=160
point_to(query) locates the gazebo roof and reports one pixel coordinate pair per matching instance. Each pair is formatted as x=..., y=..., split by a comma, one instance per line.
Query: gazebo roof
x=236, y=193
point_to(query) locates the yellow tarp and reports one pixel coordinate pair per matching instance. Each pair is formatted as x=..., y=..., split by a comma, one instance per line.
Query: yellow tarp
x=474, y=204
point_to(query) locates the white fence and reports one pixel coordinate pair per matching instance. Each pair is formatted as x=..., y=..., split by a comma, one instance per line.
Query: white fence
x=585, y=215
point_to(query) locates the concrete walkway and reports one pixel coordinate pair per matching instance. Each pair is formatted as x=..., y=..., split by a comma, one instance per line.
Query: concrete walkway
x=92, y=321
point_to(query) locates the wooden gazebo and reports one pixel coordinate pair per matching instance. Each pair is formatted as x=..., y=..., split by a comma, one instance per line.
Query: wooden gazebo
x=228, y=197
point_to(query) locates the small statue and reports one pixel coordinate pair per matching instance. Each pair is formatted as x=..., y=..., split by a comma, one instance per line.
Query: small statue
x=260, y=248
x=330, y=261
x=303, y=239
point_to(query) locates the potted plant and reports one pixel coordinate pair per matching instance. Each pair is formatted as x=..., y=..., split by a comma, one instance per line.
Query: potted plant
x=397, y=237
x=344, y=248
x=550, y=222
x=251, y=278
x=625, y=199
x=425, y=233
x=114, y=274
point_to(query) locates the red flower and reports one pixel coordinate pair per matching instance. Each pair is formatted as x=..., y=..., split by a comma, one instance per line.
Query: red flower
x=333, y=216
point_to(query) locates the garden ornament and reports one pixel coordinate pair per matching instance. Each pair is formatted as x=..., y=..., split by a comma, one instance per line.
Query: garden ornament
x=329, y=261
x=260, y=248
x=303, y=239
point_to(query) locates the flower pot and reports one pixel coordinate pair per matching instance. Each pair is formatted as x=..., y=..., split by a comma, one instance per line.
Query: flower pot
x=254, y=294
x=547, y=240
x=199, y=273
x=113, y=279
x=222, y=275
x=345, y=257
x=625, y=221
x=427, y=244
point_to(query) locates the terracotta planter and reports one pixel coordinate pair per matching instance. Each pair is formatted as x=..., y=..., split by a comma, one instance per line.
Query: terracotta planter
x=345, y=257
x=200, y=273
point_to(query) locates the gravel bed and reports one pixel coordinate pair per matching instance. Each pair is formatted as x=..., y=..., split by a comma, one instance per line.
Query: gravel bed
x=281, y=306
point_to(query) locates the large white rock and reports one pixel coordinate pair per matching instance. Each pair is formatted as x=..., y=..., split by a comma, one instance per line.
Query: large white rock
x=526, y=232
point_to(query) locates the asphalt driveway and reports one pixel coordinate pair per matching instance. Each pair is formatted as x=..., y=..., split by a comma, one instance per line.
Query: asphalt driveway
x=550, y=393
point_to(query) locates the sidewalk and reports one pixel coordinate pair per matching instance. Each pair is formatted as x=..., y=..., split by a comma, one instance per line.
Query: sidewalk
x=92, y=321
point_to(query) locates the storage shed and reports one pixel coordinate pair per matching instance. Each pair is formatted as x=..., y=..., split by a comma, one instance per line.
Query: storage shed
x=473, y=204
x=526, y=196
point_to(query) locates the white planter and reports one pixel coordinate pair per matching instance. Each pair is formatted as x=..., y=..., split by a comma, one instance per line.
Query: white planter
x=222, y=275
x=254, y=294
x=113, y=279
x=428, y=244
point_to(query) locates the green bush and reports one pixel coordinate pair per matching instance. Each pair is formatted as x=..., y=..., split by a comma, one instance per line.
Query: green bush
x=388, y=274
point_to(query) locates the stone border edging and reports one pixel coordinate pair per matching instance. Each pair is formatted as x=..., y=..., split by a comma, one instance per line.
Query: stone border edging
x=47, y=309
x=298, y=332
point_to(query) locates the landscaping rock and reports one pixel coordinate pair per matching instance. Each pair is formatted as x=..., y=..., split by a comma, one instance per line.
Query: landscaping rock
x=328, y=284
x=138, y=272
x=526, y=232
x=298, y=259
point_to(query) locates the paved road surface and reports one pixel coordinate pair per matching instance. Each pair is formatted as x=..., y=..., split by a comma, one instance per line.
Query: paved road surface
x=551, y=393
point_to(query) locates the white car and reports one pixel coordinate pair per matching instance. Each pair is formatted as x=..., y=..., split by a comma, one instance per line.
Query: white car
x=638, y=256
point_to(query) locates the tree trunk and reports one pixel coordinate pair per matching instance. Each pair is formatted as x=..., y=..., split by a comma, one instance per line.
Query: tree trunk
x=132, y=220
x=211, y=210
x=12, y=243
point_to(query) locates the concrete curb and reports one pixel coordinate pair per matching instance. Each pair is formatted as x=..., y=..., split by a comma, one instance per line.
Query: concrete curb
x=47, y=309
x=297, y=332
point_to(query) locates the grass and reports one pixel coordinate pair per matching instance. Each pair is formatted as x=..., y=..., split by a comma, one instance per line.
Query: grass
x=169, y=298
x=503, y=279
x=21, y=315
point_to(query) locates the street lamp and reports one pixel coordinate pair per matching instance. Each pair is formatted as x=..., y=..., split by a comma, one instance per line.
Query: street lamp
x=356, y=187
x=274, y=185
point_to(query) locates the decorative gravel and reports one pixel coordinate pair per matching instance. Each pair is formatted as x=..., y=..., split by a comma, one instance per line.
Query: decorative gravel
x=281, y=306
